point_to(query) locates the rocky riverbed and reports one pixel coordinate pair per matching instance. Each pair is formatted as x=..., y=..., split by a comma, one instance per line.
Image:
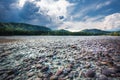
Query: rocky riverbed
x=60, y=58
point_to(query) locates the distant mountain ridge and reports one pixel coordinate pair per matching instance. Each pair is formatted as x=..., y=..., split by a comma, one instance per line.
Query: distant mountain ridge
x=95, y=31
x=24, y=26
x=28, y=29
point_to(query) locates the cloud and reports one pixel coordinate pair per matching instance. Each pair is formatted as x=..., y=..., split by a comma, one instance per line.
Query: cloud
x=103, y=4
x=60, y=14
x=91, y=9
x=78, y=26
x=21, y=3
x=110, y=22
x=7, y=11
x=44, y=12
x=83, y=11
x=57, y=10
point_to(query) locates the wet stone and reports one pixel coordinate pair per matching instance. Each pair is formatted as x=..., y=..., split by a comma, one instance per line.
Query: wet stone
x=70, y=76
x=50, y=56
x=45, y=68
x=27, y=68
x=30, y=74
x=116, y=58
x=38, y=66
x=46, y=79
x=46, y=75
x=90, y=73
x=18, y=57
x=6, y=53
x=59, y=72
x=3, y=76
x=73, y=46
x=87, y=65
x=67, y=71
x=78, y=56
x=102, y=77
x=73, y=74
x=37, y=79
x=117, y=69
x=30, y=78
x=70, y=65
x=10, y=77
x=11, y=71
x=50, y=74
x=40, y=75
x=108, y=72
x=54, y=77
x=58, y=63
x=41, y=61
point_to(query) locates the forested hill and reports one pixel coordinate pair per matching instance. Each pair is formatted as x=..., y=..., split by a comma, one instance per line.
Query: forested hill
x=95, y=31
x=28, y=29
x=21, y=28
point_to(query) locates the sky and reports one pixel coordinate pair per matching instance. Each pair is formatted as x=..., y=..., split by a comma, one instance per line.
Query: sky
x=72, y=15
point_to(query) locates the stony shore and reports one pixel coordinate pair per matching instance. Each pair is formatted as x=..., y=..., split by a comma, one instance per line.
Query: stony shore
x=7, y=40
x=61, y=58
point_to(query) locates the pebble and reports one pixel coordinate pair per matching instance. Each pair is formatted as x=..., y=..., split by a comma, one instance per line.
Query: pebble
x=117, y=69
x=30, y=74
x=79, y=59
x=70, y=75
x=37, y=79
x=102, y=77
x=107, y=72
x=3, y=76
x=70, y=65
x=27, y=68
x=6, y=53
x=45, y=68
x=40, y=75
x=50, y=56
x=90, y=73
x=73, y=46
x=54, y=77
x=88, y=65
x=59, y=72
x=10, y=77
x=38, y=66
x=67, y=71
x=73, y=74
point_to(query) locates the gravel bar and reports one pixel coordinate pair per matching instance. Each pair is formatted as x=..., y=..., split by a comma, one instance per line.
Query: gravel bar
x=60, y=58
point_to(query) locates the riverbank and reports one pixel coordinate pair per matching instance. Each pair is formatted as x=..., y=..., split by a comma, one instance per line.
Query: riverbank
x=3, y=40
x=60, y=58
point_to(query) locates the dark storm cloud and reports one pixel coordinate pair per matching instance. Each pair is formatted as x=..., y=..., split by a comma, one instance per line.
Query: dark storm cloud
x=29, y=13
x=10, y=12
x=7, y=3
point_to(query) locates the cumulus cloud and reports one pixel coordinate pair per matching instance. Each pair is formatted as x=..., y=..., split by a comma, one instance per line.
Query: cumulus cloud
x=44, y=12
x=57, y=10
x=110, y=22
